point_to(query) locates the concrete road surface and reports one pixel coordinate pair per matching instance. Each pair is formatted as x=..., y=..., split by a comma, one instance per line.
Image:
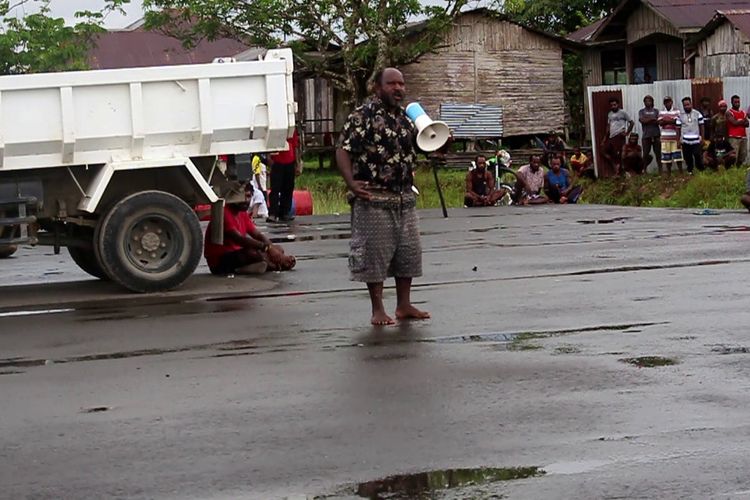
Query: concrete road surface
x=529, y=378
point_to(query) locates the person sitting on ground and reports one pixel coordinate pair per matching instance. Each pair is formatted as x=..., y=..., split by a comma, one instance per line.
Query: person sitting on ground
x=719, y=152
x=632, y=156
x=480, y=186
x=529, y=183
x=579, y=162
x=245, y=249
x=554, y=146
x=559, y=187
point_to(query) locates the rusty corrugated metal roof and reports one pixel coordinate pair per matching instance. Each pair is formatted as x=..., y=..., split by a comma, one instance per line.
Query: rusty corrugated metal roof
x=693, y=14
x=583, y=34
x=740, y=19
x=140, y=48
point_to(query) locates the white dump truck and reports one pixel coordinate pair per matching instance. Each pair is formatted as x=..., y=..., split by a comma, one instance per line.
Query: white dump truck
x=110, y=163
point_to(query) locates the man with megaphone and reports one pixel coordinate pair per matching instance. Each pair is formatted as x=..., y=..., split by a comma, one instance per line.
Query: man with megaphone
x=377, y=154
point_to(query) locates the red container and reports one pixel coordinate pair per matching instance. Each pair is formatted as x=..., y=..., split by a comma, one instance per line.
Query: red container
x=303, y=203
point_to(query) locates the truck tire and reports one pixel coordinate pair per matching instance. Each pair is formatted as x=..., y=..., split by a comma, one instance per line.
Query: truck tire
x=149, y=242
x=7, y=250
x=85, y=258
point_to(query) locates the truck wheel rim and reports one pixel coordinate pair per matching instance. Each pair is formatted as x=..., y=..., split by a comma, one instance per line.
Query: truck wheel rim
x=153, y=244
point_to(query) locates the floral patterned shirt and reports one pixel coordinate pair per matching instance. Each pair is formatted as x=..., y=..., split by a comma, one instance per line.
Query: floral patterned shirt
x=381, y=144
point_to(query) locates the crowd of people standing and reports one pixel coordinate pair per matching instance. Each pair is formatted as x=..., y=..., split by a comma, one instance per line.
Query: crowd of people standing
x=697, y=138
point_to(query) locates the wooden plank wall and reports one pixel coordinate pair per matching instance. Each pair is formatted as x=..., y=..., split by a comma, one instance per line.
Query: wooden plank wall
x=725, y=53
x=669, y=60
x=644, y=22
x=492, y=61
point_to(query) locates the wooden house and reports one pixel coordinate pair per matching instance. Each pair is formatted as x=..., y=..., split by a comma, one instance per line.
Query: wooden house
x=643, y=41
x=723, y=46
x=488, y=59
x=484, y=59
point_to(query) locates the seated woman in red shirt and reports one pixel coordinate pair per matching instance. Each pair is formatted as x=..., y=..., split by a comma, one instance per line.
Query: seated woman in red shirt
x=245, y=250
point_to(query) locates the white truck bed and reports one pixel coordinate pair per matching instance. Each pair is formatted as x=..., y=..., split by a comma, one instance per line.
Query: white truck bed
x=158, y=113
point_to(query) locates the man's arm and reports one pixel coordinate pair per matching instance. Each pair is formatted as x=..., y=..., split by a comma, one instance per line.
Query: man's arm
x=606, y=134
x=631, y=124
x=246, y=240
x=647, y=120
x=490, y=181
x=731, y=119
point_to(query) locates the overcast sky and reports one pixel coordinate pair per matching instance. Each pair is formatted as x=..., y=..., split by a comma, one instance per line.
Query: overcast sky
x=134, y=11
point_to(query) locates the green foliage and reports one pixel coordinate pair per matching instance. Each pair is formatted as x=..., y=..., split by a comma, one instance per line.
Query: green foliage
x=704, y=190
x=341, y=40
x=558, y=17
x=39, y=42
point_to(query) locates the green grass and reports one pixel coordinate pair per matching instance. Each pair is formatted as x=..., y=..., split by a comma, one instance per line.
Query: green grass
x=703, y=190
x=329, y=191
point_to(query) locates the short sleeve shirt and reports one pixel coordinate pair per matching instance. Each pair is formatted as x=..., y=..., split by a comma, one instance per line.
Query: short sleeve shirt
x=381, y=143
x=561, y=179
x=289, y=156
x=650, y=130
x=618, y=122
x=535, y=180
x=690, y=125
x=669, y=130
x=240, y=222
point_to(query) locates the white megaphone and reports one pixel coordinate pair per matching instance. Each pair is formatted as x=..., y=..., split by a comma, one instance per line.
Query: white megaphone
x=432, y=135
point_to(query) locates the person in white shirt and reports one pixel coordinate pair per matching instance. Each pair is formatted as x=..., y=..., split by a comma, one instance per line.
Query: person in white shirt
x=691, y=123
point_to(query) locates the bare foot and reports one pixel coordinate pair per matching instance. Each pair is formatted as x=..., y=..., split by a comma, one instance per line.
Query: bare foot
x=381, y=319
x=411, y=312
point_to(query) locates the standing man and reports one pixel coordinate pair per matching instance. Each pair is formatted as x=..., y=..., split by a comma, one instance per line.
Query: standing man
x=284, y=167
x=670, y=136
x=736, y=129
x=691, y=131
x=376, y=155
x=707, y=113
x=619, y=125
x=649, y=118
x=719, y=121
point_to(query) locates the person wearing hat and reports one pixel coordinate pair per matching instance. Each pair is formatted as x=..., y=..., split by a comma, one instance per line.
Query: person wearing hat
x=671, y=153
x=245, y=250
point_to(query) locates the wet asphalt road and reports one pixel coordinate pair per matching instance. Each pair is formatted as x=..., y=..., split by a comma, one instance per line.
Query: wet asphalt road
x=276, y=387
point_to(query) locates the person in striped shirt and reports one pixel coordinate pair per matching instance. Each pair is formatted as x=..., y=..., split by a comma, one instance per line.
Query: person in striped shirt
x=691, y=123
x=670, y=136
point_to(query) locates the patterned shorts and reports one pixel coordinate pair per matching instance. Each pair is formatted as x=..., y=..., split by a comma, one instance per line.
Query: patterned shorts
x=385, y=240
x=670, y=151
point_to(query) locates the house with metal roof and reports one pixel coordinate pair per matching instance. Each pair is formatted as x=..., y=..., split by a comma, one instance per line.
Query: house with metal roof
x=644, y=41
x=722, y=47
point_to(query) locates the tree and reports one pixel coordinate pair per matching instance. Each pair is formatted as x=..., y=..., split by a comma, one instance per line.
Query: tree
x=38, y=42
x=341, y=40
x=563, y=18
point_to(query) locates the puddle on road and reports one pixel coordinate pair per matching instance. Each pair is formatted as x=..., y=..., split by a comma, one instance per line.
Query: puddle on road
x=96, y=409
x=484, y=229
x=433, y=483
x=603, y=221
x=650, y=361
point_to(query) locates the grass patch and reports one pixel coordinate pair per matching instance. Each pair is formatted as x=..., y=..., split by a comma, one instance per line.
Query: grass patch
x=717, y=190
x=567, y=349
x=650, y=361
x=703, y=190
x=329, y=191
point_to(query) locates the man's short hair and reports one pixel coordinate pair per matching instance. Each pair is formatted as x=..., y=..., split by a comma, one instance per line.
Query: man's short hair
x=377, y=78
x=735, y=97
x=648, y=97
x=532, y=156
x=614, y=99
x=477, y=157
x=687, y=99
x=555, y=157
